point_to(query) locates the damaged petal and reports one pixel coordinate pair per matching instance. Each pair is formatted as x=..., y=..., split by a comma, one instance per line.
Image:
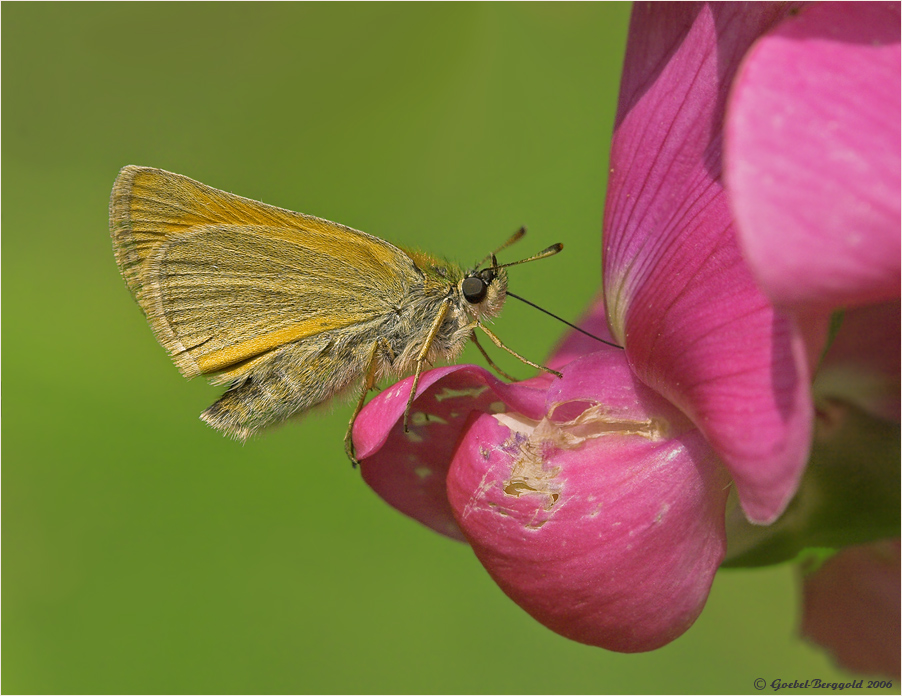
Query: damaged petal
x=529, y=475
x=557, y=526
x=599, y=420
x=556, y=508
x=393, y=462
x=420, y=418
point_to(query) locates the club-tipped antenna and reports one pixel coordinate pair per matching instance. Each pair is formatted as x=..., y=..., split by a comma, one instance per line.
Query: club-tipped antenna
x=572, y=326
x=544, y=254
x=516, y=237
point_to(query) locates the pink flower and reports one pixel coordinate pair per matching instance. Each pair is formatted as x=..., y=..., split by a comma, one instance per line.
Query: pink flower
x=813, y=168
x=852, y=608
x=597, y=501
x=585, y=497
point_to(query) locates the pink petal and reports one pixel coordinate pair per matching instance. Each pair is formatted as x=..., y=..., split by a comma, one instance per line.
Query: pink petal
x=852, y=608
x=408, y=470
x=813, y=153
x=605, y=523
x=696, y=327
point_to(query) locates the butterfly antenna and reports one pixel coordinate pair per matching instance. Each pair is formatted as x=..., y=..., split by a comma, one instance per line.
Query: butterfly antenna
x=544, y=254
x=516, y=237
x=572, y=326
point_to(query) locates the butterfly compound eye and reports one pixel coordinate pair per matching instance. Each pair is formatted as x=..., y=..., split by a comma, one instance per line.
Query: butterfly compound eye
x=474, y=289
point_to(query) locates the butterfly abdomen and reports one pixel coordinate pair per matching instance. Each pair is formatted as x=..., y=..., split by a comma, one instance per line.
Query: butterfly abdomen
x=296, y=378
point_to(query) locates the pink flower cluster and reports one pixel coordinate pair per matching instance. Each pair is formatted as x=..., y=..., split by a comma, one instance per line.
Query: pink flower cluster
x=754, y=190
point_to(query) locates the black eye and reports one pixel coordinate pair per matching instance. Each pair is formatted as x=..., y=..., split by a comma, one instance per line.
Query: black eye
x=474, y=289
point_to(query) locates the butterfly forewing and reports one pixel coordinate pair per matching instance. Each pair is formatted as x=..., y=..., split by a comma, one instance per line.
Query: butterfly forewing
x=224, y=279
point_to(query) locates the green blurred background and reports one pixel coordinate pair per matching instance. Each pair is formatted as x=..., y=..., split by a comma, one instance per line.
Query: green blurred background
x=143, y=552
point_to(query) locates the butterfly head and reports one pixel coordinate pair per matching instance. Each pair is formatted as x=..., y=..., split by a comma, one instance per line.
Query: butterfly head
x=483, y=292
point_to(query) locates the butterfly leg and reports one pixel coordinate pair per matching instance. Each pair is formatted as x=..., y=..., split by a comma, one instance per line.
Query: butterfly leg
x=489, y=360
x=497, y=342
x=421, y=356
x=369, y=382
